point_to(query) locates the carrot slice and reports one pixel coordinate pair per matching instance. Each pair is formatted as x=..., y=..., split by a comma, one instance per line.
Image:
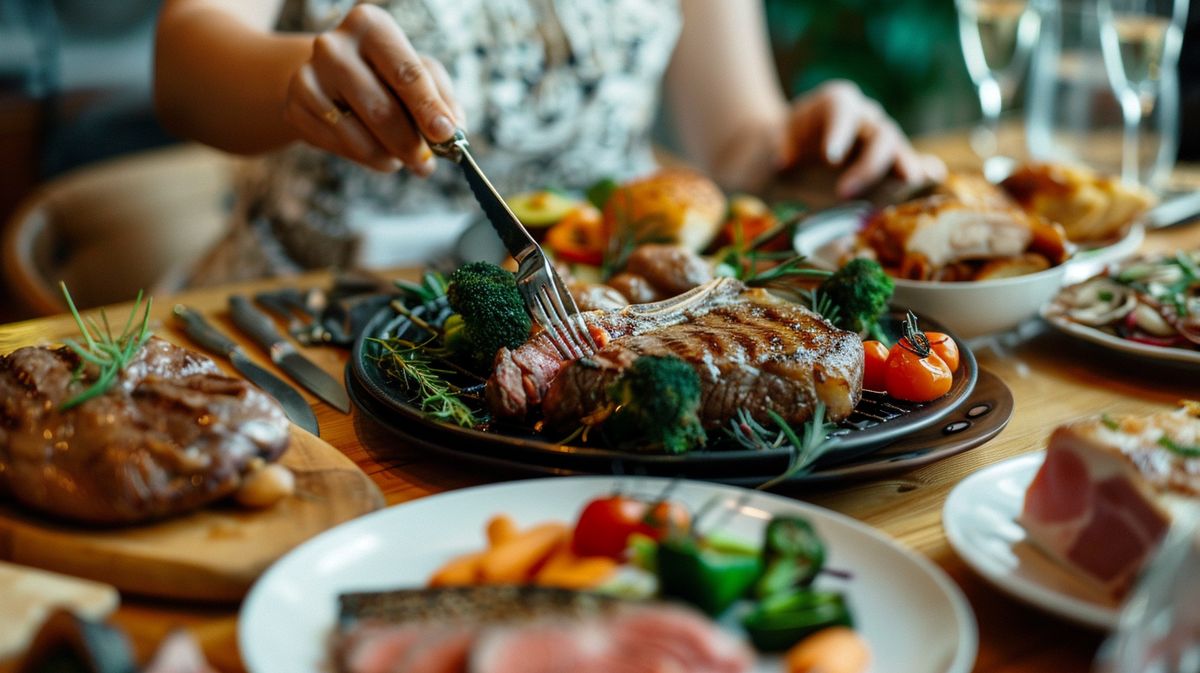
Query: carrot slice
x=515, y=560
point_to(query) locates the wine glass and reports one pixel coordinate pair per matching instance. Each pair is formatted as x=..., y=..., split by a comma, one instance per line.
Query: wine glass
x=1140, y=40
x=996, y=36
x=1159, y=627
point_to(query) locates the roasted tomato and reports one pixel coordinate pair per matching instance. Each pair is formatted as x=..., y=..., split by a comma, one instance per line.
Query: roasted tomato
x=875, y=367
x=914, y=371
x=606, y=523
x=748, y=219
x=579, y=237
x=945, y=347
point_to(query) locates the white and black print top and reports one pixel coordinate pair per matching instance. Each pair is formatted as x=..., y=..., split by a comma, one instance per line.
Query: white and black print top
x=556, y=93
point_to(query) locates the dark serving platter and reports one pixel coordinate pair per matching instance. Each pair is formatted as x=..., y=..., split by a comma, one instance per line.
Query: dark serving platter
x=877, y=422
x=974, y=422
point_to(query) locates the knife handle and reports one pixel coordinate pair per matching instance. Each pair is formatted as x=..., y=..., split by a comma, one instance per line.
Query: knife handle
x=256, y=324
x=198, y=330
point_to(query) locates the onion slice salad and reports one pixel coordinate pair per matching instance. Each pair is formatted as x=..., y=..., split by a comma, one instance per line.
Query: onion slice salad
x=1150, y=300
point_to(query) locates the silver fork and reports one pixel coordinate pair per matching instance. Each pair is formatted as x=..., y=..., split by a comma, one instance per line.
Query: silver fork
x=546, y=297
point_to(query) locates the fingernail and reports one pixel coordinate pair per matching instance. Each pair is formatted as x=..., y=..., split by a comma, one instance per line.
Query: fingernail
x=392, y=165
x=441, y=128
x=835, y=153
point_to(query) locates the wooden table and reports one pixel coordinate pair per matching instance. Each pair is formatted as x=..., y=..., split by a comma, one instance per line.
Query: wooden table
x=1053, y=379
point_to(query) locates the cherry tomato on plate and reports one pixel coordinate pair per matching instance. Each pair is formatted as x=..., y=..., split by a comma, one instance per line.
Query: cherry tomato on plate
x=875, y=366
x=915, y=372
x=945, y=347
x=606, y=523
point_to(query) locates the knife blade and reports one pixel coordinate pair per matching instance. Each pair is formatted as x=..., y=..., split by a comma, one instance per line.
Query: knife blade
x=207, y=337
x=261, y=329
x=1174, y=211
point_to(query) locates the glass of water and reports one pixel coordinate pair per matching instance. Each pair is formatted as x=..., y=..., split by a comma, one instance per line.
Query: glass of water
x=997, y=36
x=1140, y=40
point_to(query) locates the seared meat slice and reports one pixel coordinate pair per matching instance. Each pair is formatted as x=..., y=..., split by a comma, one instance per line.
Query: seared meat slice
x=750, y=349
x=172, y=435
x=520, y=377
x=760, y=355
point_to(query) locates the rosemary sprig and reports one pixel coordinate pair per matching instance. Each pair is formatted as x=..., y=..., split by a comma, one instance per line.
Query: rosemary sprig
x=785, y=272
x=812, y=443
x=408, y=363
x=110, y=354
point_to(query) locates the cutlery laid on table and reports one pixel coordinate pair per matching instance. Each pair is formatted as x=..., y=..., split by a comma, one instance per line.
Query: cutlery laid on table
x=206, y=336
x=261, y=329
x=545, y=294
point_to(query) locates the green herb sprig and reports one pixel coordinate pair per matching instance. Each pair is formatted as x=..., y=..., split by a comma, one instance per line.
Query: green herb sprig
x=812, y=442
x=407, y=362
x=110, y=354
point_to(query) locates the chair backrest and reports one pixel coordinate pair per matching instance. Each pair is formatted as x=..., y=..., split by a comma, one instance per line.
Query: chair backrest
x=115, y=227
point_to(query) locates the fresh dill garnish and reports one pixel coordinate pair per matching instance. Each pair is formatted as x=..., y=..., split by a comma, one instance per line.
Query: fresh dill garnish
x=407, y=362
x=110, y=354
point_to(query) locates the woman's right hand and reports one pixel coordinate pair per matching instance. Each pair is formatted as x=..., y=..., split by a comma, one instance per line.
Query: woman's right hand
x=367, y=95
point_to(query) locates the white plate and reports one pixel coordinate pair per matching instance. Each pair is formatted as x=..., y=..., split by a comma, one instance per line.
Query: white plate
x=1116, y=343
x=913, y=616
x=980, y=518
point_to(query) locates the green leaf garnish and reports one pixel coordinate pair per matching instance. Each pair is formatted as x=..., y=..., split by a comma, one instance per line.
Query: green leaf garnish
x=1173, y=447
x=410, y=364
x=1109, y=422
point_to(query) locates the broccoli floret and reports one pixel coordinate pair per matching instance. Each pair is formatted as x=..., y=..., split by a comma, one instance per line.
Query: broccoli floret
x=860, y=291
x=657, y=401
x=492, y=313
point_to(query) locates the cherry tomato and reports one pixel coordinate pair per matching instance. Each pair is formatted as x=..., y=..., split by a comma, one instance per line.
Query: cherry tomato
x=945, y=347
x=914, y=378
x=875, y=365
x=606, y=523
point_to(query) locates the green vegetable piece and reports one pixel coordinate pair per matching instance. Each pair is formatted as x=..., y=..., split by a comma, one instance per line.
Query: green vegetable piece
x=541, y=209
x=657, y=402
x=707, y=578
x=861, y=291
x=492, y=311
x=794, y=554
x=600, y=192
x=783, y=620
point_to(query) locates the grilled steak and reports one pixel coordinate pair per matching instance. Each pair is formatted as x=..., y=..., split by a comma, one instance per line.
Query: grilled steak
x=171, y=435
x=750, y=349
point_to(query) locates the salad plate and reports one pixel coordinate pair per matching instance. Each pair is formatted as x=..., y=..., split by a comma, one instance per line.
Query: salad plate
x=285, y=621
x=879, y=421
x=980, y=520
x=1116, y=343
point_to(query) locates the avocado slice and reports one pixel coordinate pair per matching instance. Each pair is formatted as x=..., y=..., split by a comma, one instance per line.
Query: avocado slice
x=541, y=208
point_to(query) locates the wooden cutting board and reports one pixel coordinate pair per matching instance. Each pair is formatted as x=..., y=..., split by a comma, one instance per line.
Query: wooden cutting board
x=30, y=596
x=213, y=554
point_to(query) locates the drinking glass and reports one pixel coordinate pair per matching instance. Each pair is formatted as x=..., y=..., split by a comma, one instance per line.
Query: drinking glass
x=1071, y=112
x=1140, y=40
x=1159, y=627
x=996, y=36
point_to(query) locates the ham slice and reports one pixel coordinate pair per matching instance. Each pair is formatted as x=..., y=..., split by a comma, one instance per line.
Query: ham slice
x=1108, y=490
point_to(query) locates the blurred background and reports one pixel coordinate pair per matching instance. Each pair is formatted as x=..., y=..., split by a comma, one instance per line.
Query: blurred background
x=75, y=78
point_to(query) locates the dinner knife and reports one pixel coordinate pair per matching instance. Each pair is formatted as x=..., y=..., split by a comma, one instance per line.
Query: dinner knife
x=199, y=330
x=1174, y=211
x=261, y=329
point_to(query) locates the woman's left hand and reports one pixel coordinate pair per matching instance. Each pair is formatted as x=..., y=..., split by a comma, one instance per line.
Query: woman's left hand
x=840, y=126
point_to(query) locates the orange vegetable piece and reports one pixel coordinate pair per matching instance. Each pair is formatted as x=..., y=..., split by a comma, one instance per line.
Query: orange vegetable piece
x=500, y=529
x=459, y=571
x=515, y=560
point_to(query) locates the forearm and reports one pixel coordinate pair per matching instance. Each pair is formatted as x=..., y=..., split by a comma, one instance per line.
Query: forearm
x=221, y=77
x=728, y=107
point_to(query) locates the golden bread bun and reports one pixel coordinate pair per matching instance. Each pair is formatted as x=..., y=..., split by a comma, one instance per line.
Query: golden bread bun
x=1089, y=206
x=671, y=206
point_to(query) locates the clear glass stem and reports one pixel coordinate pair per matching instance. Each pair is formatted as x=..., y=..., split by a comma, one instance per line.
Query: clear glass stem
x=987, y=135
x=1131, y=112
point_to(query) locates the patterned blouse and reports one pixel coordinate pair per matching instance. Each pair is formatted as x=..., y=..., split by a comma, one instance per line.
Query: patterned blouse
x=556, y=93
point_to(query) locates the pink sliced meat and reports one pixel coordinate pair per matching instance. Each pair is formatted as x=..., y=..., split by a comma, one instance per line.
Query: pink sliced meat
x=1104, y=497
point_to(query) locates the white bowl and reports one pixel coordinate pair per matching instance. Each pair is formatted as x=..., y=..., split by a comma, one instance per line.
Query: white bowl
x=970, y=308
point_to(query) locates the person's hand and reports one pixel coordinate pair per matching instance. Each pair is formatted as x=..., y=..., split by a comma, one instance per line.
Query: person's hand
x=839, y=125
x=367, y=95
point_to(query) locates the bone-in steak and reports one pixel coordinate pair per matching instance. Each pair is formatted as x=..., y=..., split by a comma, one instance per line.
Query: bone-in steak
x=750, y=349
x=171, y=435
